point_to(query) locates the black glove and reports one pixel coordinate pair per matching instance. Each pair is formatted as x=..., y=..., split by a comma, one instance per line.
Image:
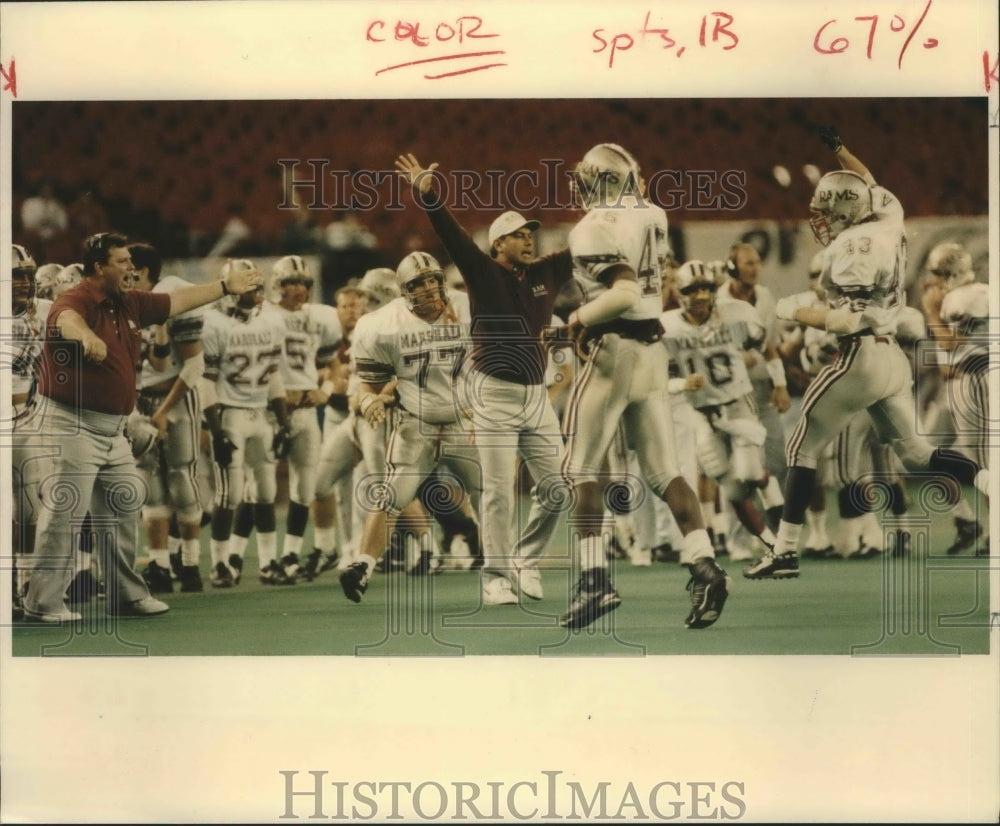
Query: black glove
x=282, y=442
x=223, y=449
x=830, y=138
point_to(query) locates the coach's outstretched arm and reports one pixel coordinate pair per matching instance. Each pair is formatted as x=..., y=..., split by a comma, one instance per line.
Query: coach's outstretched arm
x=236, y=282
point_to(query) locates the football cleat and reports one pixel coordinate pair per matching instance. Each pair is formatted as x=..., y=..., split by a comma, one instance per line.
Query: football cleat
x=290, y=564
x=968, y=533
x=158, y=579
x=236, y=566
x=709, y=587
x=311, y=568
x=274, y=574
x=354, y=581
x=774, y=566
x=818, y=553
x=221, y=576
x=595, y=597
x=190, y=580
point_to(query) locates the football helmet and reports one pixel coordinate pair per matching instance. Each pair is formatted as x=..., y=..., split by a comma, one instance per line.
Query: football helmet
x=291, y=269
x=418, y=265
x=45, y=279
x=245, y=306
x=21, y=259
x=952, y=264
x=141, y=434
x=698, y=275
x=841, y=200
x=381, y=286
x=605, y=174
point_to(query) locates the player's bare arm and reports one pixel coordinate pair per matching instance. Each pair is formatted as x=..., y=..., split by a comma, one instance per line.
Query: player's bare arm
x=831, y=137
x=72, y=327
x=191, y=371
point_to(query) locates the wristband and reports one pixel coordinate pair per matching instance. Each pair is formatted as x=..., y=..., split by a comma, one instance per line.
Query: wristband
x=161, y=351
x=225, y=289
x=776, y=370
x=675, y=386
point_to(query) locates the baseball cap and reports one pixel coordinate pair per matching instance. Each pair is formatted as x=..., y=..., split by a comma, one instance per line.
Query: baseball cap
x=510, y=222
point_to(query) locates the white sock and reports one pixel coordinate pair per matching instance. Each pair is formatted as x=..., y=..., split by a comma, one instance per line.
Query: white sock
x=219, y=548
x=817, y=539
x=592, y=553
x=325, y=538
x=963, y=510
x=238, y=545
x=267, y=547
x=173, y=544
x=719, y=522
x=767, y=535
x=190, y=552
x=161, y=556
x=708, y=514
x=696, y=545
x=787, y=538
x=292, y=545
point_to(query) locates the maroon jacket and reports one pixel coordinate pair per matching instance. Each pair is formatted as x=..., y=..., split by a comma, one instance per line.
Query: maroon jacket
x=510, y=308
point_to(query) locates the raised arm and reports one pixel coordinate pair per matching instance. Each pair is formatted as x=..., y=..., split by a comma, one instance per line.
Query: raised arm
x=831, y=137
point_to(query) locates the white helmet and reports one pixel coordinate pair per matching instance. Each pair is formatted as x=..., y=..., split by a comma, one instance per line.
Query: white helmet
x=951, y=263
x=605, y=174
x=417, y=265
x=381, y=286
x=230, y=303
x=291, y=269
x=67, y=278
x=966, y=311
x=45, y=279
x=141, y=433
x=694, y=275
x=21, y=259
x=841, y=200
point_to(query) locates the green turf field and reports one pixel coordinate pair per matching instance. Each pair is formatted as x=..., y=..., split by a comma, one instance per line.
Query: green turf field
x=937, y=606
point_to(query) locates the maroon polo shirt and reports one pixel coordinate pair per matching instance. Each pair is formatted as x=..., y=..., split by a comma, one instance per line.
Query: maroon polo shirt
x=509, y=308
x=109, y=387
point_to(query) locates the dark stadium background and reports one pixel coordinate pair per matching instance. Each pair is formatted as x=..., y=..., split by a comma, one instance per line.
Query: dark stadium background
x=169, y=171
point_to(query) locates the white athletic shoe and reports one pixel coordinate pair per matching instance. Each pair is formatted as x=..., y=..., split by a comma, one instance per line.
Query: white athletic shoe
x=498, y=591
x=641, y=557
x=529, y=582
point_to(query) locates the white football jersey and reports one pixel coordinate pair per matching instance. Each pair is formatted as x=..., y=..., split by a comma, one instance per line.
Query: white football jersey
x=427, y=359
x=632, y=232
x=966, y=311
x=715, y=350
x=312, y=334
x=865, y=265
x=182, y=328
x=241, y=356
x=23, y=350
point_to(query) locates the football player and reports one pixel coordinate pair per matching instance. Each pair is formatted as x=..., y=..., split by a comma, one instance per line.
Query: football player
x=420, y=340
x=860, y=224
x=957, y=307
x=168, y=396
x=23, y=353
x=617, y=250
x=53, y=280
x=244, y=351
x=311, y=339
x=706, y=341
